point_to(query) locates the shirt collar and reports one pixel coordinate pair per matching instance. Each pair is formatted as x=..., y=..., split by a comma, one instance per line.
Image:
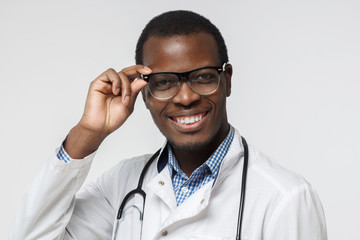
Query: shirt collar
x=216, y=158
x=213, y=163
x=173, y=164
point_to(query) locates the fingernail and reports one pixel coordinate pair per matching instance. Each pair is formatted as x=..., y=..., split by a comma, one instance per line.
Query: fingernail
x=147, y=68
x=126, y=99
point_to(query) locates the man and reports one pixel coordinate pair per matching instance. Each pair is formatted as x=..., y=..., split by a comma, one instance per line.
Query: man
x=193, y=187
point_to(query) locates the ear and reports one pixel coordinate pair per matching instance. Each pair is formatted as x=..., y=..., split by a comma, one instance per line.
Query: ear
x=228, y=73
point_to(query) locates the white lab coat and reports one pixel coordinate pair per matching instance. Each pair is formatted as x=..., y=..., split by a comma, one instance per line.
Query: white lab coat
x=279, y=204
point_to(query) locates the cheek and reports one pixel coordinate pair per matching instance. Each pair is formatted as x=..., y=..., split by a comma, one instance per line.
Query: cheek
x=219, y=102
x=150, y=102
x=155, y=107
x=222, y=94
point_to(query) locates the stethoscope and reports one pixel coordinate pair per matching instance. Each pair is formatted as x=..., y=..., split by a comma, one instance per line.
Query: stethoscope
x=141, y=192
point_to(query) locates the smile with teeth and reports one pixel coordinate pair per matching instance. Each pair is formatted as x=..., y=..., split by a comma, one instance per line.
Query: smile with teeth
x=189, y=119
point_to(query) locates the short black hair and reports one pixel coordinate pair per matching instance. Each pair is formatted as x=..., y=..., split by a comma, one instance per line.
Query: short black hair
x=180, y=23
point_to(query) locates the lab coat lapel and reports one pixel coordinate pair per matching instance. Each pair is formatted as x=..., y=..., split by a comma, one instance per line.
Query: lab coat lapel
x=161, y=185
x=233, y=156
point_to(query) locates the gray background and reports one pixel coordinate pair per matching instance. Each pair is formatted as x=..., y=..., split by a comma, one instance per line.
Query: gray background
x=295, y=92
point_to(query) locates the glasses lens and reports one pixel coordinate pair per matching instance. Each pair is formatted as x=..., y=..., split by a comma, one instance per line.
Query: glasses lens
x=163, y=85
x=204, y=81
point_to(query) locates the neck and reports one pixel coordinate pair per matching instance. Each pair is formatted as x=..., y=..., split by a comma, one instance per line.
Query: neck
x=190, y=160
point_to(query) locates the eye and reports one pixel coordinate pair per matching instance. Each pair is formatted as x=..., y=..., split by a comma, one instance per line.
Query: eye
x=204, y=78
x=163, y=82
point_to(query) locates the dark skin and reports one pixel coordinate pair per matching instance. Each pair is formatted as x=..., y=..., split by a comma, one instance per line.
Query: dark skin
x=112, y=96
x=179, y=54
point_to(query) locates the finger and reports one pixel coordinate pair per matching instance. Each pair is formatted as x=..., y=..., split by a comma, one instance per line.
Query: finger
x=111, y=77
x=136, y=70
x=129, y=75
x=125, y=87
x=136, y=87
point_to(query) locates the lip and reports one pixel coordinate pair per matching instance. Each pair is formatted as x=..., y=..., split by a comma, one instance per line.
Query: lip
x=189, y=127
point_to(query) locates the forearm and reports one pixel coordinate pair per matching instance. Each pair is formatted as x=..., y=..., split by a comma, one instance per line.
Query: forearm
x=48, y=204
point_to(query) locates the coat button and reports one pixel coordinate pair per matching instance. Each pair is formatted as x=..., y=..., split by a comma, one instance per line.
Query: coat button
x=161, y=183
x=164, y=233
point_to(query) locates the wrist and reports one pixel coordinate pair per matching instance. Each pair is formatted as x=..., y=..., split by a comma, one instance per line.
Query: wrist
x=81, y=142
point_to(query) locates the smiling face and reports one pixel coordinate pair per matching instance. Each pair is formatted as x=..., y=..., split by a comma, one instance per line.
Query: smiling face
x=189, y=121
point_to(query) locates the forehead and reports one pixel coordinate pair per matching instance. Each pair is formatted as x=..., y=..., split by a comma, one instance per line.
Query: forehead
x=180, y=53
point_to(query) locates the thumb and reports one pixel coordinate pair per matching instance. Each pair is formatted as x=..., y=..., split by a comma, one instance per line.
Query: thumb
x=137, y=85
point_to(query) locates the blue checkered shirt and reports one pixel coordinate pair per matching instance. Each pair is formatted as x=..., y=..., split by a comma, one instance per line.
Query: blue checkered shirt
x=183, y=185
x=63, y=155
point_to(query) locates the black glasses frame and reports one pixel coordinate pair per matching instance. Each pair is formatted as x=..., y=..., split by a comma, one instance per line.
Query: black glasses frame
x=186, y=74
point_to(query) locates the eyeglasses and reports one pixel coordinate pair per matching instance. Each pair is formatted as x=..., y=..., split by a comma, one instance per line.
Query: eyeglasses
x=165, y=85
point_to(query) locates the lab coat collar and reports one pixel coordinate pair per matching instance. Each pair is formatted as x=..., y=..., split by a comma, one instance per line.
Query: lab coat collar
x=163, y=158
x=161, y=186
x=235, y=148
x=233, y=156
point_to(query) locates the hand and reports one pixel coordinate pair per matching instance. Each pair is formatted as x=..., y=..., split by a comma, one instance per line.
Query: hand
x=109, y=103
x=111, y=99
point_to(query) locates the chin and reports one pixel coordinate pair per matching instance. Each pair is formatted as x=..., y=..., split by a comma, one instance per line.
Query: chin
x=189, y=146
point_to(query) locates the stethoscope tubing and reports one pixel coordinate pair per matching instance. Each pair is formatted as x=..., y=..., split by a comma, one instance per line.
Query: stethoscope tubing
x=243, y=189
x=138, y=190
x=141, y=192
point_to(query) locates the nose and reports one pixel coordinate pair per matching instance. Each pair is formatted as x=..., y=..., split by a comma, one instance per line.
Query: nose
x=185, y=96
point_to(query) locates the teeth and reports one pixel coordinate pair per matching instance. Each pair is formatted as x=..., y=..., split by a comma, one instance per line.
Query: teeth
x=189, y=120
